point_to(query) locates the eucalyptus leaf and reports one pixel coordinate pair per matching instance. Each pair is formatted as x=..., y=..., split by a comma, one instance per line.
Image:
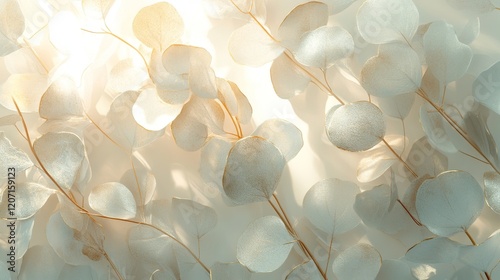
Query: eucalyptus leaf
x=12, y=26
x=398, y=106
x=492, y=190
x=213, y=161
x=283, y=134
x=152, y=113
x=394, y=71
x=150, y=246
x=27, y=89
x=36, y=261
x=434, y=127
x=30, y=197
x=62, y=155
x=355, y=127
x=253, y=169
x=383, y=21
x=394, y=269
x=424, y=159
x=235, y=101
x=288, y=79
x=250, y=45
x=265, y=244
x=471, y=31
x=486, y=88
x=195, y=218
x=475, y=6
x=113, y=199
x=140, y=180
x=435, y=250
x=96, y=8
x=484, y=257
x=61, y=101
x=158, y=25
x=359, y=262
x=448, y=59
x=324, y=46
x=12, y=157
x=328, y=206
x=478, y=131
x=303, y=18
x=449, y=203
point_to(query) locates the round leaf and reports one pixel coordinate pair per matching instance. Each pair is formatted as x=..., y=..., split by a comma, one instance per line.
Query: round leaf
x=305, y=271
x=287, y=78
x=448, y=59
x=361, y=261
x=12, y=157
x=486, y=88
x=283, y=134
x=114, y=200
x=30, y=197
x=158, y=25
x=328, y=206
x=324, y=46
x=355, y=127
x=253, y=169
x=152, y=113
x=62, y=155
x=383, y=21
x=265, y=244
x=61, y=101
x=436, y=250
x=492, y=190
x=449, y=203
x=197, y=219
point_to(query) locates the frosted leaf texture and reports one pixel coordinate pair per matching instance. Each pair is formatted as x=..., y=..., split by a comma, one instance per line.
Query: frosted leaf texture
x=253, y=169
x=283, y=134
x=449, y=203
x=355, y=127
x=197, y=219
x=486, y=88
x=384, y=21
x=265, y=244
x=492, y=190
x=359, y=262
x=12, y=157
x=328, y=206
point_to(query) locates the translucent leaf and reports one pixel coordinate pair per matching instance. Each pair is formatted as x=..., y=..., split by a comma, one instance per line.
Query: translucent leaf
x=125, y=130
x=305, y=271
x=448, y=59
x=213, y=160
x=424, y=159
x=250, y=45
x=361, y=261
x=484, y=257
x=253, y=169
x=373, y=206
x=283, y=134
x=197, y=219
x=63, y=240
x=81, y=272
x=302, y=19
x=355, y=127
x=146, y=181
x=324, y=46
x=229, y=271
x=61, y=101
x=379, y=159
x=150, y=246
x=11, y=26
x=30, y=197
x=194, y=61
x=395, y=70
x=171, y=88
x=125, y=76
x=235, y=101
x=62, y=155
x=410, y=196
x=287, y=78
x=470, y=32
x=383, y=21
x=435, y=250
x=492, y=190
x=265, y=244
x=398, y=106
x=340, y=5
x=36, y=261
x=96, y=8
x=486, y=88
x=26, y=89
x=394, y=269
x=163, y=275
x=328, y=206
x=22, y=236
x=478, y=131
x=114, y=200
x=152, y=113
x=158, y=25
x=434, y=127
x=198, y=117
x=449, y=203
x=9, y=120
x=474, y=6
x=12, y=157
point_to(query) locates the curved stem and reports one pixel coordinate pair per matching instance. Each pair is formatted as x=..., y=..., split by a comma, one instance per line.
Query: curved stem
x=329, y=255
x=400, y=158
x=409, y=213
x=470, y=237
x=234, y=120
x=113, y=266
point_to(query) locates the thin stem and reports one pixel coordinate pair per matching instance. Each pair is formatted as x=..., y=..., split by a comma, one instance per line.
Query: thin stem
x=400, y=158
x=470, y=237
x=329, y=255
x=105, y=134
x=409, y=213
x=444, y=95
x=141, y=207
x=476, y=158
x=236, y=123
x=457, y=127
x=288, y=227
x=113, y=266
x=36, y=55
x=262, y=27
x=158, y=229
